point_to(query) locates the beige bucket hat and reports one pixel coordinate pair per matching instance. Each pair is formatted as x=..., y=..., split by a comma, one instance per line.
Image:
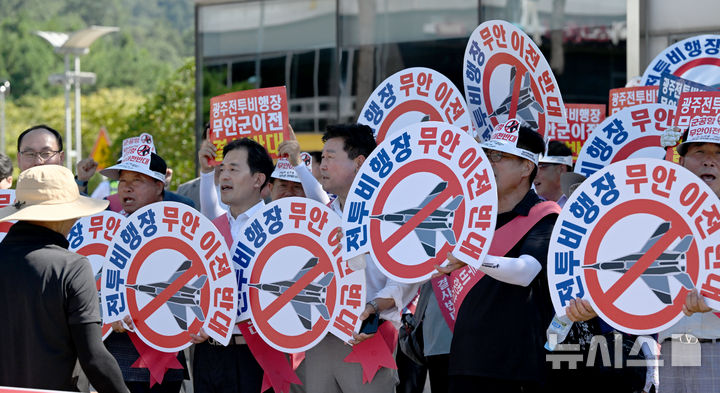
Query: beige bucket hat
x=49, y=193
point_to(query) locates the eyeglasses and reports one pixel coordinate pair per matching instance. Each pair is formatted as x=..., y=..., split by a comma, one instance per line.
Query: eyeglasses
x=43, y=155
x=496, y=156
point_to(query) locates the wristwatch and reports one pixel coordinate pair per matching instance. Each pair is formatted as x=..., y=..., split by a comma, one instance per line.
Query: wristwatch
x=375, y=307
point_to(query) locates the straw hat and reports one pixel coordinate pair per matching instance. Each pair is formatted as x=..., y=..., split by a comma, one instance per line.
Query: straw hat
x=49, y=193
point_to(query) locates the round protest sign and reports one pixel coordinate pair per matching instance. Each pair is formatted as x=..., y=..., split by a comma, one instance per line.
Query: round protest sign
x=299, y=288
x=426, y=191
x=6, y=198
x=411, y=96
x=637, y=283
x=695, y=58
x=632, y=132
x=169, y=269
x=91, y=236
x=506, y=76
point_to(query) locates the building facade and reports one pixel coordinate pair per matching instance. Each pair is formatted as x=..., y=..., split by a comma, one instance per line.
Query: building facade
x=331, y=54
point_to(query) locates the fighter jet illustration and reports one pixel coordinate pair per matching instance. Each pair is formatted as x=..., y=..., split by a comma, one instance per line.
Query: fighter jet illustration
x=668, y=264
x=440, y=220
x=525, y=101
x=187, y=296
x=312, y=295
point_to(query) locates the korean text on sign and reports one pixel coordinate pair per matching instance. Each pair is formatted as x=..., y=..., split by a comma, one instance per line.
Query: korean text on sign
x=581, y=121
x=498, y=57
x=447, y=202
x=632, y=132
x=173, y=251
x=412, y=94
x=629, y=96
x=260, y=114
x=292, y=246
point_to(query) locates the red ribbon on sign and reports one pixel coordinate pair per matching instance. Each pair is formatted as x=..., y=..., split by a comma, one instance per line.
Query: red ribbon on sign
x=375, y=352
x=278, y=372
x=155, y=361
x=504, y=239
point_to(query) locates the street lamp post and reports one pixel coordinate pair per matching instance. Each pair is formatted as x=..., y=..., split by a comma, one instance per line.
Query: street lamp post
x=4, y=89
x=76, y=44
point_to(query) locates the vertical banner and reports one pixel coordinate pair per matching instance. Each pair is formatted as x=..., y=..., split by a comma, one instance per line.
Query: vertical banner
x=259, y=114
x=506, y=76
x=101, y=150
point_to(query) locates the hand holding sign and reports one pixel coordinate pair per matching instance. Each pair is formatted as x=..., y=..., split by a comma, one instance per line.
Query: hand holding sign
x=123, y=326
x=694, y=303
x=453, y=264
x=639, y=284
x=206, y=155
x=580, y=310
x=426, y=190
x=670, y=137
x=290, y=148
x=169, y=270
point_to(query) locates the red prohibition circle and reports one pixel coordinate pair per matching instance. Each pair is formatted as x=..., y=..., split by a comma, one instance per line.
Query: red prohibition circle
x=635, y=145
x=261, y=315
x=93, y=249
x=96, y=249
x=506, y=59
x=606, y=302
x=680, y=71
x=139, y=317
x=403, y=108
x=382, y=247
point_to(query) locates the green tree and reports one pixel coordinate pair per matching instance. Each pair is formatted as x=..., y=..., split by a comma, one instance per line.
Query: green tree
x=169, y=116
x=155, y=36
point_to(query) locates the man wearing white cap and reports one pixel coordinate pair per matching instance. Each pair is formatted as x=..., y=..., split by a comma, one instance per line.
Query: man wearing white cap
x=141, y=181
x=48, y=293
x=138, y=185
x=551, y=167
x=284, y=181
x=497, y=344
x=693, y=372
